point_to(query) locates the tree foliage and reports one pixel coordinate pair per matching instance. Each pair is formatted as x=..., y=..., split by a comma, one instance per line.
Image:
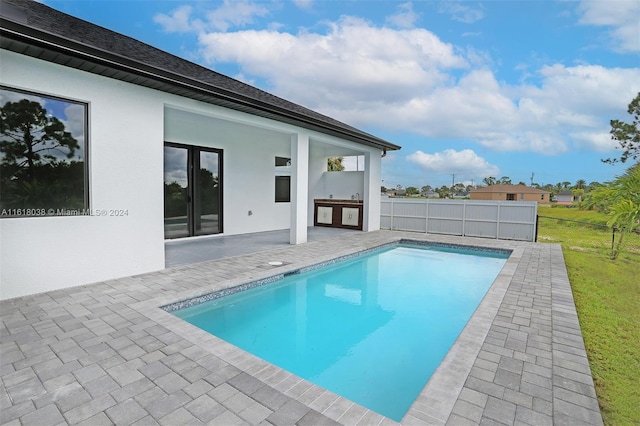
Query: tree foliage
x=412, y=190
x=620, y=199
x=37, y=164
x=489, y=181
x=334, y=164
x=31, y=136
x=627, y=134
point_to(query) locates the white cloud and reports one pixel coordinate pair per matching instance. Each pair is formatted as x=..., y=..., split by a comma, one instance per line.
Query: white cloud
x=599, y=142
x=405, y=18
x=235, y=13
x=410, y=80
x=232, y=13
x=304, y=4
x=75, y=121
x=354, y=63
x=461, y=12
x=466, y=164
x=477, y=107
x=622, y=16
x=179, y=21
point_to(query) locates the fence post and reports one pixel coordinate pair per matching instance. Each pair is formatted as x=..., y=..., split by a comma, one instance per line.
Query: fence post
x=391, y=218
x=426, y=217
x=464, y=217
x=535, y=240
x=498, y=221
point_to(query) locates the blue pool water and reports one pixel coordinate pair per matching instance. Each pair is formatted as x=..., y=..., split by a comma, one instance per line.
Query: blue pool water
x=372, y=329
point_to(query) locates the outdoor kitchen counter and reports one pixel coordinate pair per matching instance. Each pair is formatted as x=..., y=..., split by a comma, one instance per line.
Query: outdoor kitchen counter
x=338, y=213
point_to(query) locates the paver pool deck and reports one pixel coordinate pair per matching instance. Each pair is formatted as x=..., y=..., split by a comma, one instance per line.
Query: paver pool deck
x=106, y=353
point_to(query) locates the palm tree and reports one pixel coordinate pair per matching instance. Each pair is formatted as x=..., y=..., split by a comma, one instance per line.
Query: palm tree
x=334, y=164
x=580, y=184
x=621, y=200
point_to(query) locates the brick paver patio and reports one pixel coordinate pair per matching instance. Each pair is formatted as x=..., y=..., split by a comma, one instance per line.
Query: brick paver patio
x=106, y=354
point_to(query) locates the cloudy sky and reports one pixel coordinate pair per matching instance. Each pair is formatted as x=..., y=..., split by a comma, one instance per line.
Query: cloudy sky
x=471, y=89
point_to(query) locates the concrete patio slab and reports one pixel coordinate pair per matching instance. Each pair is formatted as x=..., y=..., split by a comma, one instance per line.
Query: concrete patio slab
x=107, y=354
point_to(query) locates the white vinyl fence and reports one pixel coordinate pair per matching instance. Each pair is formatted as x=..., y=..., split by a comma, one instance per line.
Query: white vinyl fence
x=506, y=220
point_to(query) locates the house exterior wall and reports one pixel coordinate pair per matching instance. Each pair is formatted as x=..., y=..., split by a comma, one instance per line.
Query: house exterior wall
x=502, y=196
x=125, y=159
x=248, y=165
x=343, y=185
x=564, y=199
x=128, y=126
x=537, y=197
x=488, y=196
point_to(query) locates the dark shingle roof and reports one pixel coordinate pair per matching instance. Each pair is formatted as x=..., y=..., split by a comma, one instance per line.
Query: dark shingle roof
x=33, y=29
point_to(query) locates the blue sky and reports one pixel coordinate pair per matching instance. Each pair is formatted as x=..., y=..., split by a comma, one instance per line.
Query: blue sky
x=475, y=89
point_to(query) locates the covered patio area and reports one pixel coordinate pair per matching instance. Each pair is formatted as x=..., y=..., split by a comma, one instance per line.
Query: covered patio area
x=193, y=250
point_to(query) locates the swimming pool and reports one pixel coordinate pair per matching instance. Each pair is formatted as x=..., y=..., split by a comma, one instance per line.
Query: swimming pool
x=372, y=328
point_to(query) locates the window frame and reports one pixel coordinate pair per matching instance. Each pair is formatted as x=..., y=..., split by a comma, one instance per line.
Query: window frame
x=282, y=174
x=85, y=211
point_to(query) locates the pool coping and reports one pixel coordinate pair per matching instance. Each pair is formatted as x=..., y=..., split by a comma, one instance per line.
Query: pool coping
x=435, y=404
x=520, y=359
x=439, y=394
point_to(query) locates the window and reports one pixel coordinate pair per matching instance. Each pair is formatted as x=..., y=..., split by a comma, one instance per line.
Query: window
x=43, y=151
x=511, y=197
x=283, y=180
x=542, y=197
x=351, y=163
x=283, y=189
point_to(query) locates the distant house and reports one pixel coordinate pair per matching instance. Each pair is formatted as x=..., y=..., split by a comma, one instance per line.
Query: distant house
x=460, y=195
x=510, y=193
x=567, y=197
x=430, y=194
x=397, y=192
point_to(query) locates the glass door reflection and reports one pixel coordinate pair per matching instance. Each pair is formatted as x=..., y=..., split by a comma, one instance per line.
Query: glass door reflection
x=206, y=190
x=176, y=192
x=192, y=191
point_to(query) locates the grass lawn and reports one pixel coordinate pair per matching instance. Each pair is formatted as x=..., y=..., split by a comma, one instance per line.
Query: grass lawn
x=607, y=297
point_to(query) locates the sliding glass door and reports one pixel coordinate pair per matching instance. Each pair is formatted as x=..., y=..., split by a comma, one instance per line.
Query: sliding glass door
x=192, y=191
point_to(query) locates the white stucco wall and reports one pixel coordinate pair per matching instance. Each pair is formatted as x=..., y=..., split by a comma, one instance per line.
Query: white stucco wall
x=128, y=126
x=248, y=165
x=344, y=185
x=125, y=172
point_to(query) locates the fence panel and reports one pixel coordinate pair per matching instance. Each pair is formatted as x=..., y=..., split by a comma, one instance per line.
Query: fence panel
x=509, y=220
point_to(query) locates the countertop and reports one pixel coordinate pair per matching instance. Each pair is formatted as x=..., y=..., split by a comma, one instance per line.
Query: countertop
x=336, y=201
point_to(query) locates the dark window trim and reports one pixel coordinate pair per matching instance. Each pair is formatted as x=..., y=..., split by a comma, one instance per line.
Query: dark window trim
x=87, y=136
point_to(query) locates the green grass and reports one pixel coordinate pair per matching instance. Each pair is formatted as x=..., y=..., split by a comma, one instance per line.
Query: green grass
x=607, y=297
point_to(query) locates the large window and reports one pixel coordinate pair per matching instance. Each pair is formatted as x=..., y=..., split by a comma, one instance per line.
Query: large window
x=43, y=151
